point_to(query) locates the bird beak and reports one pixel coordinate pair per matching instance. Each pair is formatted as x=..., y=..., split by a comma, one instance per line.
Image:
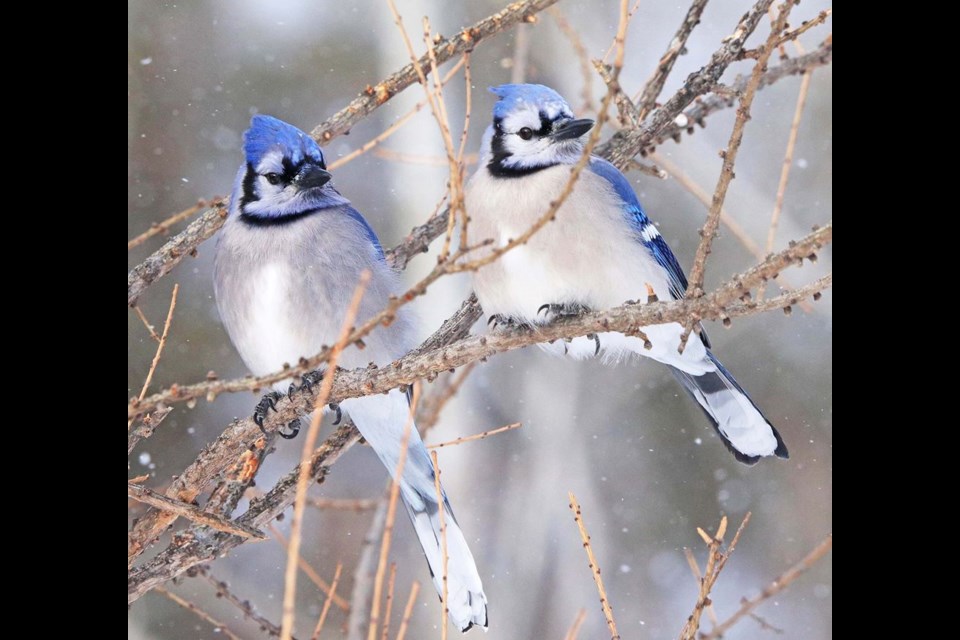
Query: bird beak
x=312, y=176
x=571, y=129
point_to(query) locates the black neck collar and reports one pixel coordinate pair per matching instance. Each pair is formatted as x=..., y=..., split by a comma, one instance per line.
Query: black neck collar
x=275, y=221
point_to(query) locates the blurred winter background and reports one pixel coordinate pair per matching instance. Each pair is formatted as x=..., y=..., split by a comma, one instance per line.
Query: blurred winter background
x=639, y=455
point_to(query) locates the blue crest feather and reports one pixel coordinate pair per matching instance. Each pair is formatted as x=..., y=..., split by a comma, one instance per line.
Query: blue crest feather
x=267, y=133
x=513, y=96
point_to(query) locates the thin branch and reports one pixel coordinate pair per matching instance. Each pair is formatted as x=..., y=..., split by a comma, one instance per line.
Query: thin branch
x=594, y=567
x=728, y=220
x=695, y=286
x=629, y=142
x=393, y=128
x=721, y=99
x=195, y=514
x=309, y=443
x=218, y=626
x=716, y=561
x=146, y=323
x=433, y=404
x=788, y=159
x=677, y=47
x=574, y=629
x=161, y=344
x=325, y=587
x=158, y=228
x=793, y=34
x=339, y=504
x=185, y=243
x=408, y=610
x=445, y=595
x=779, y=583
x=223, y=591
x=477, y=436
x=391, y=583
x=326, y=605
x=447, y=49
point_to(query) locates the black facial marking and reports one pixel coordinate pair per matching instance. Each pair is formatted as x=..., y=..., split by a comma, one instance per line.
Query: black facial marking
x=249, y=182
x=496, y=165
x=275, y=221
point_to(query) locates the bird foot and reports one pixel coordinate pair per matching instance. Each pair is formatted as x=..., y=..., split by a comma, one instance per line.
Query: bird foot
x=551, y=312
x=496, y=321
x=267, y=402
x=294, y=429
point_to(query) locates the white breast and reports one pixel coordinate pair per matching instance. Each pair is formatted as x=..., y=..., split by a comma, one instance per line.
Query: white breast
x=588, y=255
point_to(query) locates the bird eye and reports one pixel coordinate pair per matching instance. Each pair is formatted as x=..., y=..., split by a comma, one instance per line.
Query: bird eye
x=272, y=178
x=526, y=133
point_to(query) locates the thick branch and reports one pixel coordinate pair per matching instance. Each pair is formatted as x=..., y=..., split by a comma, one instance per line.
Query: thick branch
x=629, y=142
x=424, y=363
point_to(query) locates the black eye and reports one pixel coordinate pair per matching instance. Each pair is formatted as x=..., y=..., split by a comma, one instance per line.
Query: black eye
x=272, y=178
x=526, y=133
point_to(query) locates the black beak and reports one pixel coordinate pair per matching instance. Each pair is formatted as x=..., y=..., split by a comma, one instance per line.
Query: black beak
x=571, y=129
x=312, y=176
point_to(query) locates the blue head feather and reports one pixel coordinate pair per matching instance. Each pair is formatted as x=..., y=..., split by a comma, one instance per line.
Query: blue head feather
x=514, y=97
x=267, y=133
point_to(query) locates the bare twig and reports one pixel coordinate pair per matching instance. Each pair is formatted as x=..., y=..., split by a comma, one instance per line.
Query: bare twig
x=695, y=286
x=195, y=514
x=408, y=610
x=146, y=323
x=651, y=90
x=445, y=610
x=574, y=629
x=716, y=560
x=161, y=344
x=337, y=504
x=629, y=142
x=788, y=159
x=594, y=567
x=310, y=441
x=365, y=572
x=223, y=591
x=391, y=583
x=393, y=128
x=326, y=605
x=728, y=220
x=203, y=615
x=477, y=436
x=309, y=571
x=446, y=49
x=793, y=34
x=163, y=227
x=779, y=583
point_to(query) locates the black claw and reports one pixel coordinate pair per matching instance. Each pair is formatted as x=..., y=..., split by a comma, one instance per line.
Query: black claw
x=294, y=427
x=498, y=320
x=596, y=339
x=310, y=379
x=563, y=310
x=267, y=402
x=335, y=407
x=547, y=306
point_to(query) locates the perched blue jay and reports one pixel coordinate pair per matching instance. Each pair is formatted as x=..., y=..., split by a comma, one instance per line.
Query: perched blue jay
x=289, y=258
x=601, y=251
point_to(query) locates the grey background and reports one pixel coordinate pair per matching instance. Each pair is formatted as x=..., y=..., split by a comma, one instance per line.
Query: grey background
x=640, y=457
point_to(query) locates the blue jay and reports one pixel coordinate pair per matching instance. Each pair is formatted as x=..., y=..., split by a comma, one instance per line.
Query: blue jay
x=288, y=260
x=601, y=251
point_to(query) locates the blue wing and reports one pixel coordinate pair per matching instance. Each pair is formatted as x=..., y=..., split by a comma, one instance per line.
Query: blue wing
x=371, y=234
x=645, y=230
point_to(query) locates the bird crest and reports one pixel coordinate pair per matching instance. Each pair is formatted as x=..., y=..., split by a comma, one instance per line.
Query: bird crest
x=516, y=97
x=267, y=134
